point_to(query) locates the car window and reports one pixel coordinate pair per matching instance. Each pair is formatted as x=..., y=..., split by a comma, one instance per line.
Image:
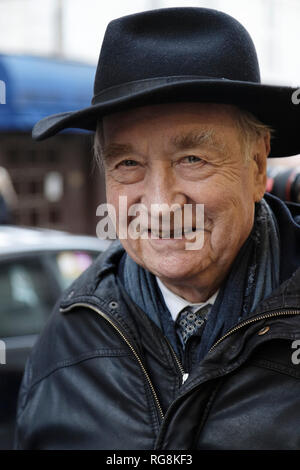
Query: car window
x=25, y=299
x=70, y=264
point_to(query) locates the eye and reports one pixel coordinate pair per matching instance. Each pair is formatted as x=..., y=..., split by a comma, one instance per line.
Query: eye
x=128, y=163
x=191, y=159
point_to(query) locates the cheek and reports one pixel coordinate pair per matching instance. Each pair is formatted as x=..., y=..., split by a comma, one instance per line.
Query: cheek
x=120, y=199
x=116, y=196
x=219, y=200
x=229, y=212
x=110, y=190
x=225, y=192
x=115, y=190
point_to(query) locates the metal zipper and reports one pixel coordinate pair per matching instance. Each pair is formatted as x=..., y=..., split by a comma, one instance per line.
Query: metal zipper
x=247, y=322
x=180, y=366
x=106, y=317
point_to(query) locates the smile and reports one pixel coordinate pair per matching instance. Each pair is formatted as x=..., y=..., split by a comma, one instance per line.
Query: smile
x=173, y=234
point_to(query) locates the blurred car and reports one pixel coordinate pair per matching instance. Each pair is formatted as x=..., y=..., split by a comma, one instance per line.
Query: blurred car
x=36, y=265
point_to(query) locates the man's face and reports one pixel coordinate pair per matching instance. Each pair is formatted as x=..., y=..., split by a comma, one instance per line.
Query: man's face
x=186, y=153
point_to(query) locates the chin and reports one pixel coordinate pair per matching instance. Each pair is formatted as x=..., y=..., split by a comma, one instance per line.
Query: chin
x=169, y=263
x=174, y=268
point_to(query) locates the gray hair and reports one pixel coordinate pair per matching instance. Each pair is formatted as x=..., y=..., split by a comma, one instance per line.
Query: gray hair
x=98, y=144
x=251, y=129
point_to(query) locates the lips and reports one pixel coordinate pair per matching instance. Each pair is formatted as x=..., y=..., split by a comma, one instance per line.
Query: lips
x=179, y=233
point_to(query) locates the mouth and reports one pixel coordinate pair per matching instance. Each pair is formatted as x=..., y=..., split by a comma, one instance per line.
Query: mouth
x=176, y=234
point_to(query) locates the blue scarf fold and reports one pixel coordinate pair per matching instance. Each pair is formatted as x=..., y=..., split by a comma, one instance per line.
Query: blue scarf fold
x=253, y=276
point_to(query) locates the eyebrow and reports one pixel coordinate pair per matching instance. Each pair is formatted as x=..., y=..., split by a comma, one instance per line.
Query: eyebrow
x=194, y=139
x=182, y=141
x=112, y=151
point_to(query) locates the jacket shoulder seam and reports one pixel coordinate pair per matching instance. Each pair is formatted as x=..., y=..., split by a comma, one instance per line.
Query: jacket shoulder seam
x=76, y=360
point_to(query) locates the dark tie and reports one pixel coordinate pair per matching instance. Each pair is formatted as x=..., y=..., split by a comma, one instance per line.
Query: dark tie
x=189, y=323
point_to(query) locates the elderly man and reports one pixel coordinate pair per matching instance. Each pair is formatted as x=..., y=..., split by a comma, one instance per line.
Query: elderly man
x=157, y=346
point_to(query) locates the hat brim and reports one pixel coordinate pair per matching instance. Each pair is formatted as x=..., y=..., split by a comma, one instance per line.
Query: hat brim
x=271, y=104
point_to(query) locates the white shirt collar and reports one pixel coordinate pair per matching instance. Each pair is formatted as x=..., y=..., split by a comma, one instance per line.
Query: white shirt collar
x=175, y=303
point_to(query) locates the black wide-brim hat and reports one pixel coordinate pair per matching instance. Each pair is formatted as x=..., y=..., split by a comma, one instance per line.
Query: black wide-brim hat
x=182, y=55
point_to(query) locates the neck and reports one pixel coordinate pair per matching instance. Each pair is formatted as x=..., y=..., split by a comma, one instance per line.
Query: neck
x=193, y=293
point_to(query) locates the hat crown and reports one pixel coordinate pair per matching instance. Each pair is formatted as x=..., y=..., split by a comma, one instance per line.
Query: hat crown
x=175, y=42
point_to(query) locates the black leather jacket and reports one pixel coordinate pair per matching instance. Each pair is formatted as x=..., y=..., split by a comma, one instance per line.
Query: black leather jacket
x=103, y=376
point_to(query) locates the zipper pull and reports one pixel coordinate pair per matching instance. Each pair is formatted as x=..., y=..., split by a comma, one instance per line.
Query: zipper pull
x=184, y=377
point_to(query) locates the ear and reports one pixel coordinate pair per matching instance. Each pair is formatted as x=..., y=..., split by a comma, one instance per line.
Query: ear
x=260, y=152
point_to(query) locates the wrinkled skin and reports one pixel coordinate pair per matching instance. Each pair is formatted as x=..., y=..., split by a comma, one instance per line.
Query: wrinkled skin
x=143, y=162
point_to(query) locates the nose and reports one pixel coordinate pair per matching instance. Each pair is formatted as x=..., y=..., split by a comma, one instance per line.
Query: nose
x=162, y=187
